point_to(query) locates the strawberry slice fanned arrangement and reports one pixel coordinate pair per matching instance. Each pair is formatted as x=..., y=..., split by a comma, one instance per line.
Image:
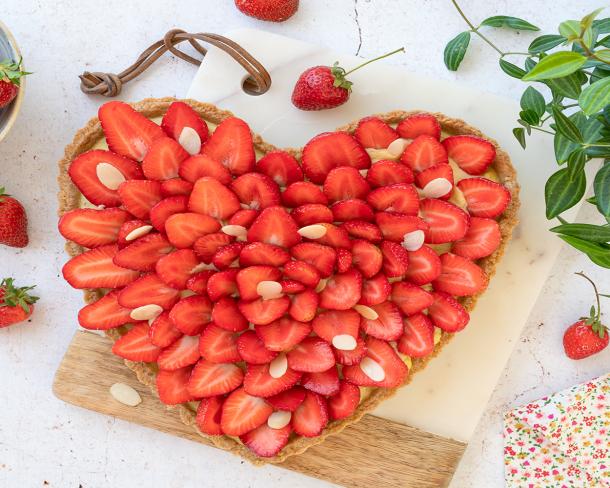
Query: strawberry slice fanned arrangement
x=286, y=292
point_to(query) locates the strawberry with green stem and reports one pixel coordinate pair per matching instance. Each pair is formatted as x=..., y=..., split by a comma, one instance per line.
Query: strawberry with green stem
x=16, y=304
x=10, y=80
x=13, y=222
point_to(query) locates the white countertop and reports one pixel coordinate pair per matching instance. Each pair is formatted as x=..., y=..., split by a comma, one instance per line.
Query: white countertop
x=43, y=439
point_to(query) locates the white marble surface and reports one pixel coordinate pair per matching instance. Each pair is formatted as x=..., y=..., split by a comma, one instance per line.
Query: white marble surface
x=42, y=439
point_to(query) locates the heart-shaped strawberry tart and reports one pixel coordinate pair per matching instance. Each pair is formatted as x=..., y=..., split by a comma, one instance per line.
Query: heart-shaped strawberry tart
x=276, y=296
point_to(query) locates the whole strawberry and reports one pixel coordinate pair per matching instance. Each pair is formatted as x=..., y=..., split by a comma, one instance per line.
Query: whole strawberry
x=10, y=80
x=16, y=304
x=588, y=336
x=13, y=222
x=271, y=10
x=323, y=87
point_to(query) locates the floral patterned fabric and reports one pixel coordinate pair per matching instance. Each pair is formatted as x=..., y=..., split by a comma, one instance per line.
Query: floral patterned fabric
x=562, y=440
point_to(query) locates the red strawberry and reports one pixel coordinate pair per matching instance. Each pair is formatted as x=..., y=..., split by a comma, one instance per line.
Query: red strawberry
x=303, y=272
x=481, y=240
x=258, y=380
x=143, y=253
x=198, y=283
x=186, y=126
x=251, y=349
x=382, y=362
x=165, y=209
x=222, y=284
x=423, y=152
x=140, y=196
x=447, y=222
x=385, y=173
x=257, y=191
x=354, y=209
x=283, y=334
x=231, y=145
x=401, y=198
x=10, y=81
x=162, y=332
x=375, y=290
x=419, y=124
x=149, y=289
x=335, y=237
x=344, y=260
x=484, y=198
x=303, y=193
x=210, y=379
x=244, y=217
x=374, y=132
x=431, y=181
x=90, y=228
x=310, y=418
x=367, y=258
x=418, y=338
x=349, y=358
x=292, y=286
x=323, y=383
x=262, y=312
x=218, y=345
x=96, y=269
x=274, y=226
x=344, y=403
x=210, y=197
x=191, y=314
x=201, y=165
x=345, y=183
x=128, y=132
x=16, y=304
x=226, y=314
x=265, y=441
x=359, y=229
x=581, y=340
x=171, y=386
x=388, y=326
x=424, y=266
x=132, y=230
x=163, y=159
x=242, y=413
x=311, y=213
x=249, y=278
x=333, y=323
x=136, y=345
x=206, y=246
x=447, y=313
x=395, y=227
x=208, y=416
x=85, y=171
x=342, y=291
x=311, y=355
x=472, y=154
x=288, y=400
x=304, y=305
x=331, y=150
x=106, y=313
x=226, y=255
x=182, y=353
x=270, y=10
x=176, y=186
x=395, y=259
x=261, y=253
x=410, y=298
x=177, y=267
x=183, y=229
x=281, y=167
x=460, y=276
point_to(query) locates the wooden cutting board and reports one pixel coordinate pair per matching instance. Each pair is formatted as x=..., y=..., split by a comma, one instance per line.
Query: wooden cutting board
x=374, y=452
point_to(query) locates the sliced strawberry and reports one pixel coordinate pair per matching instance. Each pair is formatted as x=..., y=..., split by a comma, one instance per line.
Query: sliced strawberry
x=249, y=278
x=303, y=193
x=265, y=441
x=163, y=159
x=283, y=334
x=186, y=126
x=86, y=167
x=177, y=267
x=244, y=217
x=345, y=183
x=311, y=416
x=484, y=198
x=388, y=326
x=460, y=276
x=423, y=152
x=383, y=355
x=323, y=383
x=401, y=198
x=320, y=256
x=375, y=290
x=395, y=259
x=171, y=386
x=367, y=257
x=96, y=269
x=198, y=166
x=335, y=237
x=183, y=229
x=227, y=315
x=331, y=150
x=211, y=379
x=93, y=228
x=257, y=191
x=251, y=349
x=387, y=172
x=281, y=167
x=258, y=381
x=143, y=253
x=231, y=145
x=311, y=355
x=262, y=312
x=132, y=230
x=447, y=222
x=261, y=253
x=342, y=291
x=175, y=187
x=409, y=298
x=140, y=196
x=221, y=284
x=481, y=240
x=353, y=209
x=360, y=229
x=208, y=416
x=242, y=413
x=419, y=124
x=303, y=272
x=395, y=226
x=472, y=154
x=211, y=197
x=447, y=313
x=104, y=314
x=274, y=226
x=349, y=358
x=344, y=260
x=127, y=132
x=304, y=305
x=182, y=353
x=198, y=283
x=333, y=323
x=226, y=255
x=375, y=133
x=136, y=345
x=344, y=403
x=165, y=209
x=311, y=213
x=191, y=314
x=218, y=345
x=162, y=332
x=424, y=266
x=288, y=400
x=417, y=340
x=206, y=246
x=292, y=286
x=149, y=289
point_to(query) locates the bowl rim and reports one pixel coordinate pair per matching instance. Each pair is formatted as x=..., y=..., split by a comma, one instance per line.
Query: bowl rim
x=16, y=105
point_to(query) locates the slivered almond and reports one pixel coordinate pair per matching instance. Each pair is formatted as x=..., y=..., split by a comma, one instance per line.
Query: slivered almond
x=367, y=312
x=438, y=333
x=397, y=147
x=321, y=285
x=202, y=267
x=109, y=176
x=412, y=241
x=269, y=289
x=138, y=232
x=234, y=230
x=189, y=139
x=187, y=293
x=125, y=394
x=279, y=419
x=437, y=188
x=314, y=231
x=279, y=366
x=345, y=342
x=146, y=312
x=372, y=369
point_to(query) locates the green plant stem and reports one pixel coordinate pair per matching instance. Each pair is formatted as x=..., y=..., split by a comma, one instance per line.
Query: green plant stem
x=475, y=29
x=599, y=309
x=517, y=53
x=543, y=130
x=375, y=59
x=589, y=53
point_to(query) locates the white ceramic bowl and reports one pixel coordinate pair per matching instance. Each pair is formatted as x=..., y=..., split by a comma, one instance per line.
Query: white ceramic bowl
x=9, y=50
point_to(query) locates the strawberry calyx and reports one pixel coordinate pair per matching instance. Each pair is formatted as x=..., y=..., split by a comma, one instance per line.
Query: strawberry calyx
x=339, y=73
x=594, y=318
x=2, y=194
x=11, y=71
x=12, y=296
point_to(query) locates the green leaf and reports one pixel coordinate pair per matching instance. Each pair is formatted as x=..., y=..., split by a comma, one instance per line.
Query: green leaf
x=592, y=249
x=602, y=25
x=556, y=65
x=533, y=100
x=510, y=22
x=590, y=129
x=566, y=127
x=561, y=193
x=576, y=163
x=601, y=188
x=530, y=117
x=455, y=50
x=567, y=86
x=599, y=151
x=529, y=64
x=599, y=74
x=587, y=21
x=603, y=54
x=595, y=97
x=545, y=43
x=570, y=29
x=519, y=134
x=587, y=232
x=587, y=37
x=511, y=69
x=603, y=261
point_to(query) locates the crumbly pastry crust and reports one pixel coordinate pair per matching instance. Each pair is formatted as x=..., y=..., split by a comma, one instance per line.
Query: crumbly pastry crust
x=69, y=199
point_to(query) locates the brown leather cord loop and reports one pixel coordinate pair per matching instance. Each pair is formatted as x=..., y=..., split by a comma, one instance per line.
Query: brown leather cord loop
x=110, y=85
